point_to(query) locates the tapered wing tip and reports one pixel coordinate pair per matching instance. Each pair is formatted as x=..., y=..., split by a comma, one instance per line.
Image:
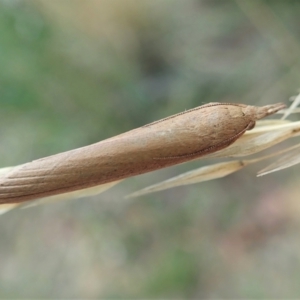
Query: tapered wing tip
x=274, y=108
x=267, y=110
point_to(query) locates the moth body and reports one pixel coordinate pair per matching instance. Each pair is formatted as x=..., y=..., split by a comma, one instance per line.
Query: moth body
x=173, y=140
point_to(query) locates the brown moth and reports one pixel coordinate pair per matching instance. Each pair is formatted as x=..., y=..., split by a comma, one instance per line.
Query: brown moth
x=173, y=140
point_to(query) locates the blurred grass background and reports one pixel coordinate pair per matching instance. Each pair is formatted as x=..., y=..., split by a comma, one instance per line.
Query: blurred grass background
x=75, y=72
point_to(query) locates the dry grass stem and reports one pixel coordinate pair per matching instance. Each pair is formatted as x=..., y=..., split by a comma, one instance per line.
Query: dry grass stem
x=290, y=159
x=296, y=102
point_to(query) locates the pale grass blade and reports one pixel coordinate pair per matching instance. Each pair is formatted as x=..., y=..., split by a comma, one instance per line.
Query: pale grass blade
x=7, y=207
x=292, y=108
x=206, y=173
x=198, y=175
x=271, y=122
x=73, y=195
x=294, y=111
x=290, y=159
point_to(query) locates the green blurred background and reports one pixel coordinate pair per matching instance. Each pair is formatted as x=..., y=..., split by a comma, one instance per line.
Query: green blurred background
x=74, y=72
